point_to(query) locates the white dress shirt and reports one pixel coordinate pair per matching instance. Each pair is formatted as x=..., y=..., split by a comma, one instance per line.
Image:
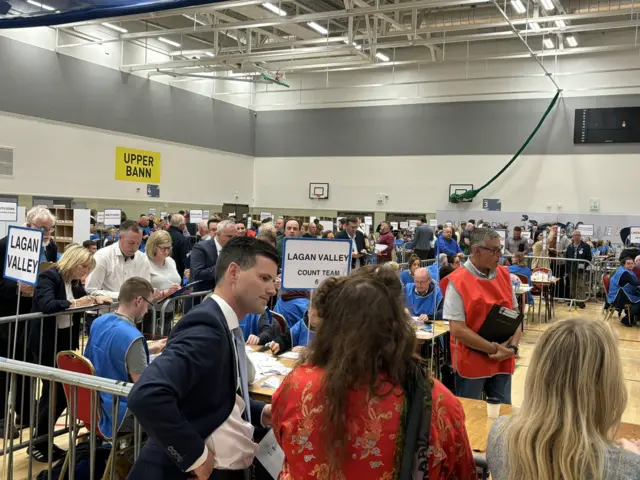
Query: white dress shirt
x=232, y=442
x=112, y=270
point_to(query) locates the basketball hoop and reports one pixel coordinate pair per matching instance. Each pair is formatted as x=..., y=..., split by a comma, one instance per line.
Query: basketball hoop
x=317, y=197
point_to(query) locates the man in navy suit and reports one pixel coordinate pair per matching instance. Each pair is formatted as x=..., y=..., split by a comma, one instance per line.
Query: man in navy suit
x=205, y=255
x=193, y=400
x=352, y=233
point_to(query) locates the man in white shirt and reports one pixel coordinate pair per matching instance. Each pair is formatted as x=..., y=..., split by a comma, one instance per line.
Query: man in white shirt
x=118, y=262
x=196, y=406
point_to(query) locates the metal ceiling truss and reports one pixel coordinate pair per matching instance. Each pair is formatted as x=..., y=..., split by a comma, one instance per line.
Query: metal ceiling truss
x=359, y=30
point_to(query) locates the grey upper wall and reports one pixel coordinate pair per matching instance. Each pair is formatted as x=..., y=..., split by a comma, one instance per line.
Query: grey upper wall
x=41, y=83
x=466, y=128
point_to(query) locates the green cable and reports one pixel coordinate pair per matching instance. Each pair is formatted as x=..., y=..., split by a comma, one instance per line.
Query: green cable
x=471, y=194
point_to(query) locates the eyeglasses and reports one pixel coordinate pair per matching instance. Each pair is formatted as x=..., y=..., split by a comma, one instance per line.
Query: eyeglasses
x=493, y=251
x=150, y=303
x=164, y=249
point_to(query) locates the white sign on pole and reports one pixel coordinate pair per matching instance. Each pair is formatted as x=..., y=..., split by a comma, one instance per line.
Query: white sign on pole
x=195, y=216
x=394, y=225
x=327, y=225
x=585, y=230
x=404, y=225
x=8, y=212
x=100, y=217
x=368, y=220
x=264, y=215
x=163, y=215
x=152, y=211
x=433, y=222
x=503, y=237
x=413, y=223
x=307, y=262
x=249, y=223
x=23, y=255
x=112, y=216
x=206, y=214
x=526, y=235
x=634, y=235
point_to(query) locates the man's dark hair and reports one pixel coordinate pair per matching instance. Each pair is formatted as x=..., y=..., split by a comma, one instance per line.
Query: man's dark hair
x=351, y=219
x=472, y=221
x=440, y=227
x=212, y=220
x=89, y=243
x=517, y=229
x=243, y=251
x=423, y=219
x=129, y=226
x=342, y=221
x=267, y=220
x=143, y=215
x=624, y=260
x=181, y=212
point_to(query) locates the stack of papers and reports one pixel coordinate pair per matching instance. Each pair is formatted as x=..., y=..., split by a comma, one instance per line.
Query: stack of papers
x=266, y=365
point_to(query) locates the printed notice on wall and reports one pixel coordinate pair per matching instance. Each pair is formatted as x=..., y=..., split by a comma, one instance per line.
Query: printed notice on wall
x=634, y=235
x=585, y=230
x=308, y=261
x=134, y=165
x=112, y=216
x=23, y=254
x=100, y=218
x=8, y=212
x=195, y=216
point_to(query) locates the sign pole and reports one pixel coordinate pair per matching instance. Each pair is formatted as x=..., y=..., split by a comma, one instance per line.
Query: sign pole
x=8, y=431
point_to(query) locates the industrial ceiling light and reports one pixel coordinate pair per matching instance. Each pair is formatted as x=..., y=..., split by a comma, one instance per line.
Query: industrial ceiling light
x=169, y=42
x=40, y=5
x=518, y=6
x=318, y=28
x=115, y=27
x=548, y=43
x=382, y=56
x=572, y=41
x=535, y=26
x=561, y=24
x=547, y=5
x=273, y=8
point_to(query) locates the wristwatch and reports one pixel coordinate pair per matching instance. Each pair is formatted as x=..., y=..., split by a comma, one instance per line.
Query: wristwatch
x=514, y=348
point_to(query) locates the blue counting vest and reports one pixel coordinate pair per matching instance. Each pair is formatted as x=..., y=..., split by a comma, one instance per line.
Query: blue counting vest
x=300, y=333
x=629, y=290
x=250, y=323
x=293, y=310
x=419, y=305
x=110, y=339
x=405, y=277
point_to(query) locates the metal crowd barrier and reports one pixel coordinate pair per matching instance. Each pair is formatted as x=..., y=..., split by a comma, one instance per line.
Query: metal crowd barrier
x=171, y=302
x=12, y=464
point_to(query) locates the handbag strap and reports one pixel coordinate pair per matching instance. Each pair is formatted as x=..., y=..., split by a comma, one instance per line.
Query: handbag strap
x=416, y=426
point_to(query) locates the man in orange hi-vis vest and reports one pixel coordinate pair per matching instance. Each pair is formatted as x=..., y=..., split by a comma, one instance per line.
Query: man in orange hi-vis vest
x=470, y=293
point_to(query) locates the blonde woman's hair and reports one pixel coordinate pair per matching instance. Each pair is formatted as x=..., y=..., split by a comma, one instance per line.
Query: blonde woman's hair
x=574, y=400
x=157, y=238
x=74, y=256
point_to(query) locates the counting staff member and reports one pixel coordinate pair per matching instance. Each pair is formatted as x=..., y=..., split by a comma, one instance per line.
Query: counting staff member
x=470, y=293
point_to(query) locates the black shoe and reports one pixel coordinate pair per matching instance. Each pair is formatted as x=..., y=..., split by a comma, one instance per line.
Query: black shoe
x=39, y=453
x=582, y=305
x=16, y=433
x=625, y=322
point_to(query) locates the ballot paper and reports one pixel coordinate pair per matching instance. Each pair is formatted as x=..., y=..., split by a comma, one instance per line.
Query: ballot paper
x=270, y=455
x=266, y=365
x=290, y=355
x=380, y=247
x=272, y=382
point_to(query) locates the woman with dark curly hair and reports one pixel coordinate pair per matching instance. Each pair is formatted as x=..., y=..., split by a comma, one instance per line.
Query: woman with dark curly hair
x=361, y=405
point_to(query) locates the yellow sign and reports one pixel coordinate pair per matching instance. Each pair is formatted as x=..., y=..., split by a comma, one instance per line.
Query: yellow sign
x=137, y=165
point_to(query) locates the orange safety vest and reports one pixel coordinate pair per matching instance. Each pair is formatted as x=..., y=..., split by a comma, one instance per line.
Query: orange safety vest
x=479, y=295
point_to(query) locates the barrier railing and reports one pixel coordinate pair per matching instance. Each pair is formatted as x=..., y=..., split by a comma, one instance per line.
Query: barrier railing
x=24, y=466
x=168, y=306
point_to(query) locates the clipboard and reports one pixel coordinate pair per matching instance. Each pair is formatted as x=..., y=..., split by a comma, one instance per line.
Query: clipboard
x=501, y=324
x=184, y=289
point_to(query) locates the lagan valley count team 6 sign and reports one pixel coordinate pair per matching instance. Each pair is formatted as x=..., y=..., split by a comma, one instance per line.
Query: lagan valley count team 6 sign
x=134, y=165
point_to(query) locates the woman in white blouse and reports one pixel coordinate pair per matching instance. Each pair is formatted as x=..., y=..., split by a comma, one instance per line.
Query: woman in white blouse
x=164, y=273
